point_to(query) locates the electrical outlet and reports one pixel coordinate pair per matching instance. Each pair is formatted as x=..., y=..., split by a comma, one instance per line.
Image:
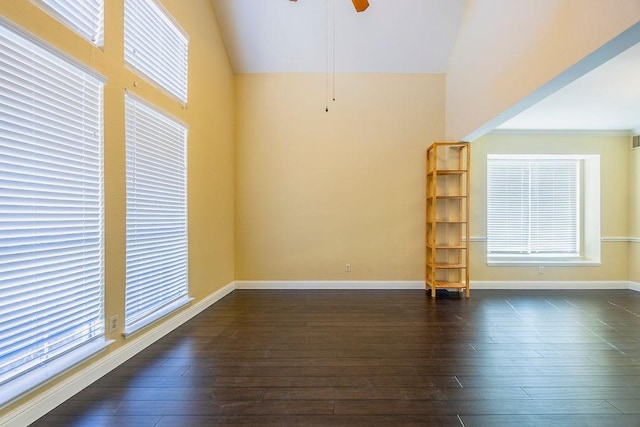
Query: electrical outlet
x=347, y=268
x=541, y=270
x=113, y=324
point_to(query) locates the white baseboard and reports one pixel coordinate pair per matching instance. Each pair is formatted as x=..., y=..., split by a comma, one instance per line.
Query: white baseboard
x=44, y=402
x=567, y=285
x=330, y=284
x=418, y=284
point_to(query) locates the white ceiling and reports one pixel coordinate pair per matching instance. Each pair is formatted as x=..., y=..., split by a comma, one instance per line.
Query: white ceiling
x=607, y=98
x=409, y=36
x=391, y=36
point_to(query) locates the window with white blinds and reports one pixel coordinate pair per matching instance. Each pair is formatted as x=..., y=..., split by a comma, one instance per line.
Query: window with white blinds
x=85, y=17
x=155, y=46
x=533, y=206
x=156, y=280
x=51, y=210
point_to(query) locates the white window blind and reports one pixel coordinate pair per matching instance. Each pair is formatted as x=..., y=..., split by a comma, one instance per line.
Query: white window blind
x=156, y=214
x=85, y=17
x=533, y=206
x=51, y=207
x=155, y=46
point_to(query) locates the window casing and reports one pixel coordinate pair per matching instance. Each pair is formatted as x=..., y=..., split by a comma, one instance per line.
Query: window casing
x=546, y=235
x=51, y=212
x=85, y=17
x=156, y=250
x=155, y=46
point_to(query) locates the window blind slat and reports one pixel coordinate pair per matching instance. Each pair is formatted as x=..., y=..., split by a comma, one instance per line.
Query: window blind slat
x=155, y=46
x=85, y=17
x=156, y=254
x=532, y=206
x=51, y=206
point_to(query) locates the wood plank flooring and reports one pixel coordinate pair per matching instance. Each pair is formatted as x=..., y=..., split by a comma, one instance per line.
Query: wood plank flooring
x=368, y=358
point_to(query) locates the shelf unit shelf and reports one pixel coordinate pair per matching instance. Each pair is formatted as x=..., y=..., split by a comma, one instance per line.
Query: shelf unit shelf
x=447, y=217
x=449, y=172
x=447, y=221
x=450, y=266
x=447, y=246
x=451, y=285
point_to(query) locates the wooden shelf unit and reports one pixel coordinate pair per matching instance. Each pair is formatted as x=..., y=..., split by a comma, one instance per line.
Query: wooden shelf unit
x=447, y=217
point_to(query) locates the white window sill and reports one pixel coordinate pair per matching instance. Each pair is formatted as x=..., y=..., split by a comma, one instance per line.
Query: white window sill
x=46, y=372
x=541, y=262
x=132, y=328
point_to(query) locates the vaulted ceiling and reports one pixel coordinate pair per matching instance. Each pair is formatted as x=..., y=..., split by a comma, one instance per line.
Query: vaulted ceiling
x=408, y=36
x=391, y=36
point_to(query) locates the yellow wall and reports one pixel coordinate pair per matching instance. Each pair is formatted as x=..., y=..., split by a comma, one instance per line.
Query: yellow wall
x=317, y=190
x=614, y=178
x=634, y=215
x=209, y=116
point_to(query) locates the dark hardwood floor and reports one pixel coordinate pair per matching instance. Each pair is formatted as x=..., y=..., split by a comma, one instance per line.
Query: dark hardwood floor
x=350, y=358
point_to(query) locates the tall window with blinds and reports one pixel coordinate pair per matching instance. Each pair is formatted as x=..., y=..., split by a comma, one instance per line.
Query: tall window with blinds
x=533, y=206
x=85, y=17
x=51, y=212
x=156, y=278
x=155, y=46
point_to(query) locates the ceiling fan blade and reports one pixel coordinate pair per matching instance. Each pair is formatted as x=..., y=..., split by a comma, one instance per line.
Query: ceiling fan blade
x=360, y=5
